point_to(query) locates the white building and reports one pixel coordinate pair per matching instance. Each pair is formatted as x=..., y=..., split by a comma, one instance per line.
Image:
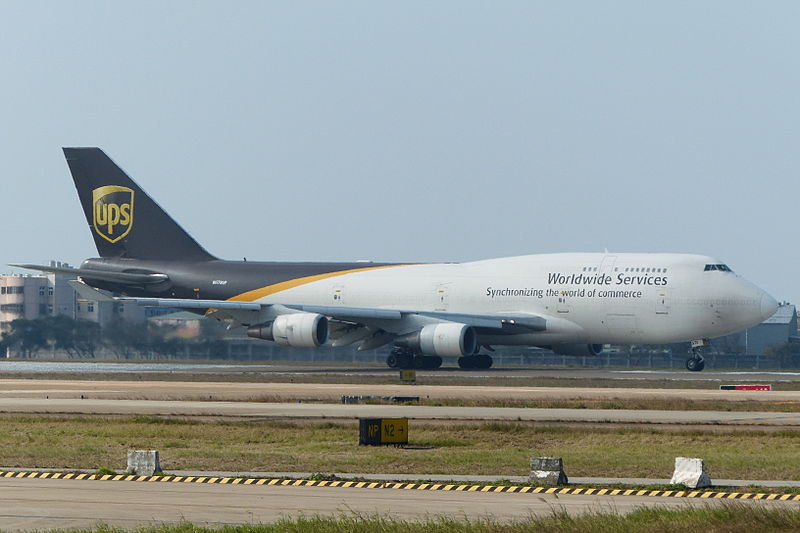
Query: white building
x=32, y=296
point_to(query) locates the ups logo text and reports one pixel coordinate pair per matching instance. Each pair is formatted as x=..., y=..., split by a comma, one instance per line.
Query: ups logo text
x=112, y=212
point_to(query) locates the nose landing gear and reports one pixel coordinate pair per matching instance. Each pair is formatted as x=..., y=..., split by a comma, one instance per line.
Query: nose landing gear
x=696, y=362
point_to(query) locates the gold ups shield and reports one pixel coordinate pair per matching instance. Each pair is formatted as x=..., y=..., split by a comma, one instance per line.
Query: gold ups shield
x=112, y=212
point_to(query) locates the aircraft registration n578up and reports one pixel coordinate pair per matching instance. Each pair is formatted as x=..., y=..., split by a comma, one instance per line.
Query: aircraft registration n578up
x=572, y=303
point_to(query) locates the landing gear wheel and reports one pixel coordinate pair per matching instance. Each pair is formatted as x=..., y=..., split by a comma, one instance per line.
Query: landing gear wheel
x=480, y=361
x=399, y=358
x=695, y=364
x=466, y=363
x=427, y=362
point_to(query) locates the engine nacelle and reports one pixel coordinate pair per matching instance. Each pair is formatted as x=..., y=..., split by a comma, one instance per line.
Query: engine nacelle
x=307, y=330
x=445, y=340
x=577, y=349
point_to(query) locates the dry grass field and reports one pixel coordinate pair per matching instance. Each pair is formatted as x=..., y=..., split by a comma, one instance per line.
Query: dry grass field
x=456, y=448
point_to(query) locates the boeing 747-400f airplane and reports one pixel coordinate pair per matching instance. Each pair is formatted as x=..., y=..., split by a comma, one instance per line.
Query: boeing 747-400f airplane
x=570, y=303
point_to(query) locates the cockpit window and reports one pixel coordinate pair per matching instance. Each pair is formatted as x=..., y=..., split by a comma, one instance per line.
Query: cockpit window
x=723, y=268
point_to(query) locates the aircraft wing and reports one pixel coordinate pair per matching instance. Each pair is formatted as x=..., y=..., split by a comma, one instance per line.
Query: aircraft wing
x=369, y=325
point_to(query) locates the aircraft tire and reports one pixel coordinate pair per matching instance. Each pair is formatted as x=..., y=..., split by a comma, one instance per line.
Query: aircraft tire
x=466, y=363
x=484, y=361
x=432, y=362
x=695, y=364
x=399, y=358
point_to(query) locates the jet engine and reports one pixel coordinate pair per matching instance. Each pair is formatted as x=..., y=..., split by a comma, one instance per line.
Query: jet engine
x=307, y=330
x=577, y=349
x=446, y=339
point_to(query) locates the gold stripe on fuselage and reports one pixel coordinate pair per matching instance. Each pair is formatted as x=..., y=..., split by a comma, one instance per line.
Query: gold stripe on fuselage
x=252, y=296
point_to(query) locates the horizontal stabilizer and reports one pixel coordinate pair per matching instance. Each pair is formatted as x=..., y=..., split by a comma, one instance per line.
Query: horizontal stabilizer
x=102, y=275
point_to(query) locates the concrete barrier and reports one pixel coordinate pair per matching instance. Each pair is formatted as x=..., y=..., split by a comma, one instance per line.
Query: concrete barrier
x=690, y=471
x=144, y=462
x=548, y=471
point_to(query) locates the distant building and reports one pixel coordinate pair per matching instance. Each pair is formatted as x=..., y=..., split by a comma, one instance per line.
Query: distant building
x=775, y=331
x=32, y=296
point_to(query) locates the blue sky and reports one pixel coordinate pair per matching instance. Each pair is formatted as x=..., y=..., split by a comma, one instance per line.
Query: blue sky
x=414, y=131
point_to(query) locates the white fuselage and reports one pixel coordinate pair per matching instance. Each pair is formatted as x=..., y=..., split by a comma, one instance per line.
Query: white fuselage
x=584, y=297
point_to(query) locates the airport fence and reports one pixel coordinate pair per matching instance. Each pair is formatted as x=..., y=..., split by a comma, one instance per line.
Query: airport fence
x=265, y=352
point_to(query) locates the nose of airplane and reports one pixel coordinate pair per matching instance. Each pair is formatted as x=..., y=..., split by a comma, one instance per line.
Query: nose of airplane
x=768, y=306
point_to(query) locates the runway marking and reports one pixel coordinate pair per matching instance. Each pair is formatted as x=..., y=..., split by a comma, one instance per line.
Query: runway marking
x=166, y=478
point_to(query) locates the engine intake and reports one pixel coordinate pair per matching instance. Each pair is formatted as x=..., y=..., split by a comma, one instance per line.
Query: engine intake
x=445, y=340
x=577, y=349
x=307, y=330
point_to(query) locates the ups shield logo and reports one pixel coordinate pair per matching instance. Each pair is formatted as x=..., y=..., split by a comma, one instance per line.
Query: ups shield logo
x=112, y=212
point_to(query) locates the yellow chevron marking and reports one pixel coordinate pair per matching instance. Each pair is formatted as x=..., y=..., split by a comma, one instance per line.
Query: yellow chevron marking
x=473, y=488
x=436, y=486
x=256, y=294
x=615, y=492
x=45, y=475
x=796, y=498
x=177, y=479
x=105, y=477
x=498, y=489
x=213, y=480
x=564, y=491
x=69, y=476
x=462, y=487
x=238, y=480
x=424, y=486
x=771, y=496
x=448, y=487
x=261, y=481
x=785, y=497
x=487, y=488
x=550, y=491
x=189, y=479
x=706, y=494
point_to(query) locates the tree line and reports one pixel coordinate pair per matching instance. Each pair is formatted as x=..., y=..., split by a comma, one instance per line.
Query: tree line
x=83, y=338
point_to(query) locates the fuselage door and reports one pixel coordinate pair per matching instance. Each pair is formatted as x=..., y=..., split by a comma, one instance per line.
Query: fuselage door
x=338, y=294
x=662, y=302
x=441, y=297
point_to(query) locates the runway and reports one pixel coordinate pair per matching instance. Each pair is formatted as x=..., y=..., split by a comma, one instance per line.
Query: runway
x=231, y=391
x=339, y=411
x=45, y=503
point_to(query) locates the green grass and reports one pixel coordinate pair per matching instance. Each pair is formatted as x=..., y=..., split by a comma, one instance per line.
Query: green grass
x=436, y=447
x=709, y=519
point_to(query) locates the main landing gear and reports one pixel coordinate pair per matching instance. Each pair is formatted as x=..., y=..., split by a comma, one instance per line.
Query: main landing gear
x=696, y=362
x=403, y=358
x=475, y=362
